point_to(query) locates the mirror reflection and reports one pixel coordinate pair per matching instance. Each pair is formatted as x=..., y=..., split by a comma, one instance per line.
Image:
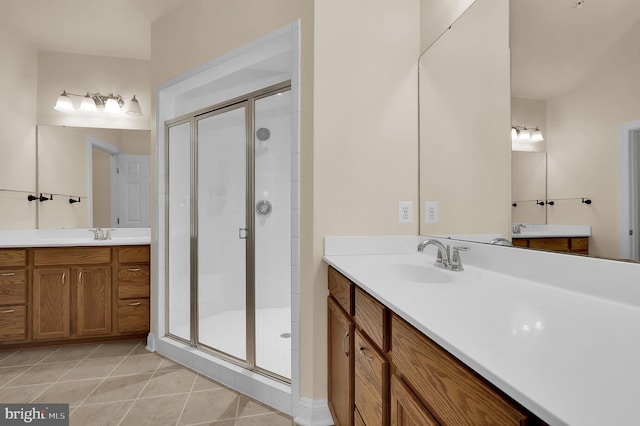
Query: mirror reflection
x=574, y=68
x=90, y=177
x=573, y=74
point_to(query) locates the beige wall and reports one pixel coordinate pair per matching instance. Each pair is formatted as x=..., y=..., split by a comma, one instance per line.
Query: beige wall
x=358, y=121
x=81, y=73
x=465, y=144
x=436, y=16
x=18, y=110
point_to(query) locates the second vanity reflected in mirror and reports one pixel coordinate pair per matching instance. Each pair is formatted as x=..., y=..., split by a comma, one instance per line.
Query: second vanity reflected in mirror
x=572, y=71
x=90, y=177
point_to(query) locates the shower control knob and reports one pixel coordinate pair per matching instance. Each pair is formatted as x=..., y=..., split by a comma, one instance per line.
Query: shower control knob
x=263, y=208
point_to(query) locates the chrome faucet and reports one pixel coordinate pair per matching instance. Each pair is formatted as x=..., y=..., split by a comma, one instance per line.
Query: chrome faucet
x=517, y=228
x=442, y=260
x=501, y=242
x=98, y=233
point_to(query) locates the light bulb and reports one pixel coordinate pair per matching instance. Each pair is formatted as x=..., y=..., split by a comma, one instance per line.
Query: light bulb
x=112, y=106
x=514, y=134
x=88, y=104
x=134, y=107
x=524, y=135
x=536, y=136
x=64, y=102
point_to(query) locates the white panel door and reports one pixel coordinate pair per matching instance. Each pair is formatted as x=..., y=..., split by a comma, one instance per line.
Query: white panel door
x=134, y=191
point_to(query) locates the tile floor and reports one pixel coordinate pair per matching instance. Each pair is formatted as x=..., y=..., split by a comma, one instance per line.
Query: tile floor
x=124, y=384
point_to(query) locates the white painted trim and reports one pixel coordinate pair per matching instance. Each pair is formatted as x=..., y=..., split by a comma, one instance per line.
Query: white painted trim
x=93, y=142
x=313, y=412
x=628, y=190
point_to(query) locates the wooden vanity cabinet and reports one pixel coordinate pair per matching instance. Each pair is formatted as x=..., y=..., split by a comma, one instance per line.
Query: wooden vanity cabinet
x=71, y=292
x=575, y=245
x=13, y=295
x=133, y=289
x=401, y=377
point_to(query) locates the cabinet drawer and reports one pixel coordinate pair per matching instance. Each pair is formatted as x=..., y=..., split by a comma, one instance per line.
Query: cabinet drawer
x=133, y=254
x=72, y=256
x=371, y=382
x=555, y=244
x=580, y=245
x=13, y=257
x=13, y=320
x=452, y=392
x=133, y=316
x=13, y=287
x=133, y=282
x=371, y=317
x=341, y=289
x=520, y=242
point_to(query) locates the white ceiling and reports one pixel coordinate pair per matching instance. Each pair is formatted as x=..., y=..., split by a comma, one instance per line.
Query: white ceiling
x=555, y=44
x=117, y=28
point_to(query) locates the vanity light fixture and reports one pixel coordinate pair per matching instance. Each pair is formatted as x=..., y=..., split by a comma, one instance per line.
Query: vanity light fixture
x=523, y=134
x=93, y=102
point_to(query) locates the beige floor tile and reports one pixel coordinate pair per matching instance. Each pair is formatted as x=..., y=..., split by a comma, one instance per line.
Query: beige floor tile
x=114, y=349
x=230, y=422
x=71, y=353
x=99, y=415
x=157, y=411
x=9, y=373
x=92, y=368
x=118, y=389
x=141, y=349
x=72, y=393
x=5, y=354
x=205, y=383
x=43, y=373
x=210, y=406
x=250, y=407
x=136, y=364
x=167, y=364
x=166, y=382
x=10, y=395
x=27, y=357
x=273, y=419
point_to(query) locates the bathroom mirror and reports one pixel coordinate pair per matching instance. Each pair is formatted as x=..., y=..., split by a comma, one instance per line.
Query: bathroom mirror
x=89, y=177
x=578, y=61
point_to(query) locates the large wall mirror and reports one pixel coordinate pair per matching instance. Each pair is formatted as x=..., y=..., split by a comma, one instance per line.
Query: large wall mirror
x=573, y=74
x=90, y=177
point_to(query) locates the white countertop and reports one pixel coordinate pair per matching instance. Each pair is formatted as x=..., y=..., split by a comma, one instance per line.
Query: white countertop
x=72, y=237
x=547, y=231
x=569, y=357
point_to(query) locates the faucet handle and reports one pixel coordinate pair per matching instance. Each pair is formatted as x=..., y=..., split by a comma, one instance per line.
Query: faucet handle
x=461, y=248
x=456, y=261
x=108, y=236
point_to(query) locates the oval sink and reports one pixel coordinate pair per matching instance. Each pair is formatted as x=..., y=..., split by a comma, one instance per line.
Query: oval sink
x=414, y=273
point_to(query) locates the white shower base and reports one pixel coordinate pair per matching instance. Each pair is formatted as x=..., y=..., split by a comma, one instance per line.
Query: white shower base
x=226, y=332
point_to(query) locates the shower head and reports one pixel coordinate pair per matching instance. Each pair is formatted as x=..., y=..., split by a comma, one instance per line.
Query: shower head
x=263, y=134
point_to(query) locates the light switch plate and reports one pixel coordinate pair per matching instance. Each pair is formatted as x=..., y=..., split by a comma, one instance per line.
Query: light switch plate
x=431, y=212
x=405, y=211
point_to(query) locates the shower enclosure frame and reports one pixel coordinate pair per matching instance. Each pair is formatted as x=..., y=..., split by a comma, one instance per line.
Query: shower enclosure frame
x=246, y=101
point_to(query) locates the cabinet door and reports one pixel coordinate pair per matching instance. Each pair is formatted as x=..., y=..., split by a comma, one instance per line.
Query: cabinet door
x=370, y=388
x=93, y=313
x=51, y=296
x=406, y=409
x=340, y=365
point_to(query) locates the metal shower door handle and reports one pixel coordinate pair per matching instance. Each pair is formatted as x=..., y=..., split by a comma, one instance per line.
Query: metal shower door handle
x=242, y=233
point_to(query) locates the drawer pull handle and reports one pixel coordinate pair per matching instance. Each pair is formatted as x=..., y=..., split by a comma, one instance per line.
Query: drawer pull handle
x=80, y=278
x=345, y=343
x=135, y=304
x=134, y=269
x=365, y=356
x=8, y=311
x=7, y=274
x=64, y=274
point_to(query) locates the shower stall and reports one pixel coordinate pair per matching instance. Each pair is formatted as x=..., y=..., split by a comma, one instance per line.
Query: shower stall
x=228, y=240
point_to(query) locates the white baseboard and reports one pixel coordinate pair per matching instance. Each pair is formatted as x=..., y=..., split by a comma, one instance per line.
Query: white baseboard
x=313, y=412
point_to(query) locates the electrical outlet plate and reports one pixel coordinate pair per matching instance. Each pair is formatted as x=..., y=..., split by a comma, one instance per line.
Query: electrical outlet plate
x=405, y=211
x=431, y=212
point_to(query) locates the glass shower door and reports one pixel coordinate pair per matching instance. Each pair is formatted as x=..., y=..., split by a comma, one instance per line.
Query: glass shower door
x=222, y=230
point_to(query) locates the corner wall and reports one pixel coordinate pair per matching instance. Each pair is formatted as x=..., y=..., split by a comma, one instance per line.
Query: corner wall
x=18, y=111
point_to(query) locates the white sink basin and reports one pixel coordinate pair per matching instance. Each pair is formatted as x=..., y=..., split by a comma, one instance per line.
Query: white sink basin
x=407, y=272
